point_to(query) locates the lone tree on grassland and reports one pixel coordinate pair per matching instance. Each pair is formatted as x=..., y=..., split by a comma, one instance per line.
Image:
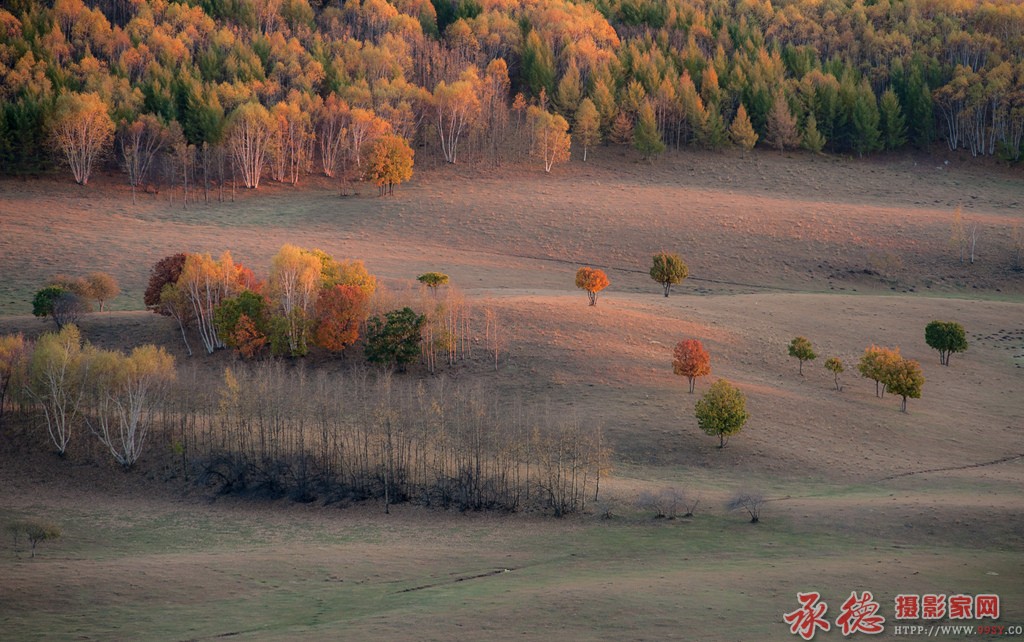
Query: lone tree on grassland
x=592, y=280
x=904, y=378
x=34, y=530
x=391, y=163
x=721, y=411
x=750, y=502
x=947, y=337
x=102, y=287
x=433, y=280
x=802, y=349
x=691, y=361
x=836, y=367
x=668, y=270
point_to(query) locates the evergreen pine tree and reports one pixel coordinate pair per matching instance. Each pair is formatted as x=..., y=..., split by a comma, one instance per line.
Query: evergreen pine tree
x=892, y=122
x=646, y=137
x=813, y=140
x=864, y=118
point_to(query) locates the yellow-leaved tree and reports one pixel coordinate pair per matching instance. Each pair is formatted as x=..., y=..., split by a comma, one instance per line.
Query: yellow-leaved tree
x=81, y=129
x=551, y=141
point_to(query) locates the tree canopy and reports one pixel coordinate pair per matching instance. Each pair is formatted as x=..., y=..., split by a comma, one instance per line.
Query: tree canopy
x=668, y=270
x=722, y=411
x=593, y=281
x=691, y=360
x=948, y=337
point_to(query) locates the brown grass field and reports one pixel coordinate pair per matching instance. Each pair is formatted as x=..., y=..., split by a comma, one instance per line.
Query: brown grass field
x=863, y=497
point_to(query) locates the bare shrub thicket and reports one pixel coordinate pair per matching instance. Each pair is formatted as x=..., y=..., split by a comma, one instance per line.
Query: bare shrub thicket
x=275, y=430
x=669, y=503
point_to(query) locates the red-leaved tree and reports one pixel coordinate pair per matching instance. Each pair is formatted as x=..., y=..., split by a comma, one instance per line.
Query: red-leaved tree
x=339, y=311
x=691, y=361
x=165, y=272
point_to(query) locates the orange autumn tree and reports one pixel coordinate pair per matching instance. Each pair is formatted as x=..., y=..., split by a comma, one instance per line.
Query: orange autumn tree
x=691, y=361
x=593, y=281
x=340, y=309
x=391, y=161
x=247, y=338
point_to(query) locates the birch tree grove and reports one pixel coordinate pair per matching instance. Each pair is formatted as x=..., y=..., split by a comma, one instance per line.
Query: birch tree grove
x=250, y=132
x=207, y=283
x=57, y=374
x=331, y=133
x=139, y=143
x=295, y=279
x=126, y=391
x=81, y=131
x=456, y=106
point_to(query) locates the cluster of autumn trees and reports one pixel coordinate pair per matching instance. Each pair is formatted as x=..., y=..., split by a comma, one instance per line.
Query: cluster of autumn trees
x=196, y=92
x=72, y=384
x=309, y=298
x=65, y=298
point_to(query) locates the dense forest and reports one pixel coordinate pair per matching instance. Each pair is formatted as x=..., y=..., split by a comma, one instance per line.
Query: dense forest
x=194, y=90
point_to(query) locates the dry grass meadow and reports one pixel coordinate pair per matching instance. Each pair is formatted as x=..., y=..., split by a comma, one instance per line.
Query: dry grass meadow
x=862, y=497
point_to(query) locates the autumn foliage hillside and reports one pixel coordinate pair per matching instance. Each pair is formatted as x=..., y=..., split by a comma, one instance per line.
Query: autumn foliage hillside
x=193, y=91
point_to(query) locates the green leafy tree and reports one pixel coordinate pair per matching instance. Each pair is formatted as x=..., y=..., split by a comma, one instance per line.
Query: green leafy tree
x=244, y=322
x=722, y=411
x=947, y=337
x=60, y=304
x=433, y=280
x=836, y=367
x=802, y=350
x=904, y=378
x=668, y=270
x=395, y=339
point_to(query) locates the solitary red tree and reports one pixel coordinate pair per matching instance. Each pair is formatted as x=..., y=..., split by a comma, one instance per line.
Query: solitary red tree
x=592, y=280
x=691, y=361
